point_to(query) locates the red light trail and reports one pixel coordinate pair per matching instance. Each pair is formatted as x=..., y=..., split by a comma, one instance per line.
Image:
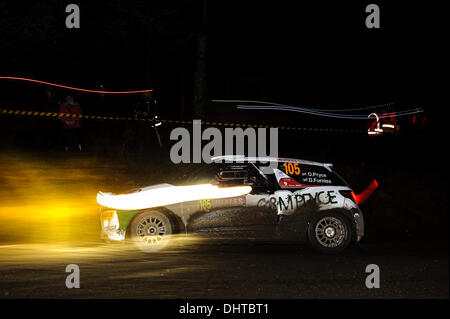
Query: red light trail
x=364, y=195
x=73, y=88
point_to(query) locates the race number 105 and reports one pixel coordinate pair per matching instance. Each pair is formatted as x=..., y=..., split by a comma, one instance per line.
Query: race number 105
x=291, y=169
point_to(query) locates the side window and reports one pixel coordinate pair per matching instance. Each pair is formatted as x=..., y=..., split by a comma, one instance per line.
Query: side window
x=243, y=174
x=260, y=183
x=232, y=175
x=310, y=175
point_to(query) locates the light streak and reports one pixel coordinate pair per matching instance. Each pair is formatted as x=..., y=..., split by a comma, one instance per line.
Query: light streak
x=364, y=195
x=168, y=195
x=74, y=88
x=326, y=114
x=312, y=109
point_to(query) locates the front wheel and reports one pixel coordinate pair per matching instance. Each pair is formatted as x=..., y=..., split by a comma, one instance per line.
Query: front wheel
x=151, y=230
x=329, y=232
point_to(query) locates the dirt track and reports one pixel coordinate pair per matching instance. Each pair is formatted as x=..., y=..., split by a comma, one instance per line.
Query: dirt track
x=218, y=269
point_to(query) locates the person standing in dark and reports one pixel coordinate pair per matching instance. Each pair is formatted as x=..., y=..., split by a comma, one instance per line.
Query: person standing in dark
x=71, y=125
x=51, y=127
x=145, y=108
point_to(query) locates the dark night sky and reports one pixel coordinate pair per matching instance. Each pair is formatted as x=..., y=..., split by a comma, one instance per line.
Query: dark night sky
x=310, y=54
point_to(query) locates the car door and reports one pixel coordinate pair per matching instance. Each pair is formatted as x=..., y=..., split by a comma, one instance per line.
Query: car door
x=233, y=217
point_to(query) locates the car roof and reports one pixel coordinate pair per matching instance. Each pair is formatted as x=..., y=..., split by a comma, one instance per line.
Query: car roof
x=242, y=158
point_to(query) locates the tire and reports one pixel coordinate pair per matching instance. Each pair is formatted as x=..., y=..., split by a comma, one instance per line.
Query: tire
x=329, y=232
x=151, y=230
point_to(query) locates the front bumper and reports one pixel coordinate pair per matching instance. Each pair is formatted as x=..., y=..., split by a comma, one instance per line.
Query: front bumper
x=110, y=225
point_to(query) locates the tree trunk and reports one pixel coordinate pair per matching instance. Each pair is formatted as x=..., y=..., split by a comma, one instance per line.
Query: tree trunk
x=200, y=89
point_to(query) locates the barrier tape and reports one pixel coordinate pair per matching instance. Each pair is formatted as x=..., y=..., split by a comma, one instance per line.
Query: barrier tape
x=228, y=124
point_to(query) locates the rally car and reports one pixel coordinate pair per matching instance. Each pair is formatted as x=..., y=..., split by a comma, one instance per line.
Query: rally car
x=309, y=195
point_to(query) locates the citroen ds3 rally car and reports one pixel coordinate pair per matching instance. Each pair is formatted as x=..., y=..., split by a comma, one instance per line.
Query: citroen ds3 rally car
x=309, y=196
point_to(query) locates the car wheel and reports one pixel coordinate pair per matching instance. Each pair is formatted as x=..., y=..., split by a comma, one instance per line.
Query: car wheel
x=151, y=230
x=329, y=232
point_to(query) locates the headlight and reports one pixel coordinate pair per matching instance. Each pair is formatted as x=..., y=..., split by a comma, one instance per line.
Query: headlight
x=110, y=220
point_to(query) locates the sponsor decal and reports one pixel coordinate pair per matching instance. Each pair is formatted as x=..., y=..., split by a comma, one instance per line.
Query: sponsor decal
x=289, y=183
x=208, y=204
x=316, y=179
x=232, y=201
x=292, y=201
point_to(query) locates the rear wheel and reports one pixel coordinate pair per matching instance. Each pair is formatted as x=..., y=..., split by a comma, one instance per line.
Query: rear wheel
x=329, y=232
x=151, y=230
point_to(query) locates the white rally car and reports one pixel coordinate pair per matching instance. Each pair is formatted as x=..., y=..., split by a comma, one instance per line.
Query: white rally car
x=323, y=206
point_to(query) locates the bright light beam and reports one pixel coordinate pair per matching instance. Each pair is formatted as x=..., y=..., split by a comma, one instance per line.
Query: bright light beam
x=168, y=195
x=326, y=114
x=305, y=108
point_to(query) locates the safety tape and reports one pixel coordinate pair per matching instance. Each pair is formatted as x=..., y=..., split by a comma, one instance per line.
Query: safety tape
x=207, y=123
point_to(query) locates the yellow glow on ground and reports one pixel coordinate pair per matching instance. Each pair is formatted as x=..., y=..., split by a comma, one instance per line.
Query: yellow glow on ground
x=51, y=200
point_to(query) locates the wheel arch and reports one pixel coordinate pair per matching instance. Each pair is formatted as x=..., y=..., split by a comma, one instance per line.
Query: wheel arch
x=178, y=224
x=341, y=211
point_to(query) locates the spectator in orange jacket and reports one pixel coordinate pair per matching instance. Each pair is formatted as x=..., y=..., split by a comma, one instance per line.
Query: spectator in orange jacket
x=71, y=125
